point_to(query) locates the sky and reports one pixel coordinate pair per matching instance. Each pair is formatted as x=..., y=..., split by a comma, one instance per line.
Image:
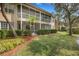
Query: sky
x=46, y=6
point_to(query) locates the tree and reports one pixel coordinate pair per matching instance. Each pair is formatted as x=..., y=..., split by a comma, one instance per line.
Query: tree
x=6, y=18
x=70, y=12
x=32, y=21
x=57, y=17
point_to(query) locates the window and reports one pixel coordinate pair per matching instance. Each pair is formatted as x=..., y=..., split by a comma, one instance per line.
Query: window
x=4, y=25
x=18, y=8
x=32, y=12
x=24, y=15
x=25, y=10
x=46, y=18
x=9, y=8
x=37, y=15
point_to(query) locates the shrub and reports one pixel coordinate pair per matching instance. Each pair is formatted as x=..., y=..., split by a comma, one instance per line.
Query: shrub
x=6, y=33
x=52, y=45
x=3, y=34
x=53, y=31
x=9, y=33
x=75, y=30
x=63, y=29
x=19, y=32
x=26, y=32
x=46, y=31
x=38, y=48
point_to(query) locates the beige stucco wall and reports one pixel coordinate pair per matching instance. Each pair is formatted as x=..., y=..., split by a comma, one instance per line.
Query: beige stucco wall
x=2, y=18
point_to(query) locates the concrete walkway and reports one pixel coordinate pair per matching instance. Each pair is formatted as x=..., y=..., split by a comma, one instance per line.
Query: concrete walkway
x=77, y=39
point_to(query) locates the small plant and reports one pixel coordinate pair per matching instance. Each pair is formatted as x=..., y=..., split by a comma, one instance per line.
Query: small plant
x=75, y=30
x=9, y=44
x=3, y=34
x=19, y=32
x=9, y=33
x=26, y=32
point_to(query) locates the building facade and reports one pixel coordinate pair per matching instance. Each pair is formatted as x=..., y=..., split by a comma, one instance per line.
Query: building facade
x=18, y=15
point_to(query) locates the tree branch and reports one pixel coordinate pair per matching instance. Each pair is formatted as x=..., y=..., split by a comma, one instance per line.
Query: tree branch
x=74, y=19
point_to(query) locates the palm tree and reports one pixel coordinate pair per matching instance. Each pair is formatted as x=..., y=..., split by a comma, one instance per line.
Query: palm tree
x=32, y=21
x=4, y=15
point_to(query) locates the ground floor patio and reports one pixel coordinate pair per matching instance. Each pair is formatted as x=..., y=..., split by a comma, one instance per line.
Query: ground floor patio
x=25, y=25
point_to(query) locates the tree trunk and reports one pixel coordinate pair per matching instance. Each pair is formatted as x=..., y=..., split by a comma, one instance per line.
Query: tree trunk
x=70, y=29
x=4, y=15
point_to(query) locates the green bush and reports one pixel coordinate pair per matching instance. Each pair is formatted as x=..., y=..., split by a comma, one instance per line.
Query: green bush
x=9, y=33
x=38, y=48
x=19, y=32
x=75, y=30
x=53, y=31
x=63, y=29
x=26, y=32
x=46, y=31
x=51, y=45
x=6, y=33
x=3, y=34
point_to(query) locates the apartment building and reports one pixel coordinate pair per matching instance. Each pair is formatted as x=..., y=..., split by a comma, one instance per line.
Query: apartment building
x=19, y=13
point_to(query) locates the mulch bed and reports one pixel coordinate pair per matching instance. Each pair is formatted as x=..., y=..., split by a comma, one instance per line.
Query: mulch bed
x=12, y=52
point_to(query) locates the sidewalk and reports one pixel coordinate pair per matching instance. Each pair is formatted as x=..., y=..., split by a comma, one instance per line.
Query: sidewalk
x=77, y=40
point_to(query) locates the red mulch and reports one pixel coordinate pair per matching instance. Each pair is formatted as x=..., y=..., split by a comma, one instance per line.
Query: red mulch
x=27, y=39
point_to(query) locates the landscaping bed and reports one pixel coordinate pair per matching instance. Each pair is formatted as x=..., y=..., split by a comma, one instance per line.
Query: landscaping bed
x=25, y=40
x=9, y=44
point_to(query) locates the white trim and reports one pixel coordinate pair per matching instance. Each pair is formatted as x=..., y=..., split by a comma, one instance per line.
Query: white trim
x=21, y=16
x=7, y=26
x=28, y=19
x=40, y=19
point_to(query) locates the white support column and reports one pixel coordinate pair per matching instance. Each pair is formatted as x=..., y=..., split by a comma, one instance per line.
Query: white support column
x=21, y=16
x=34, y=23
x=51, y=23
x=40, y=20
x=7, y=26
x=28, y=19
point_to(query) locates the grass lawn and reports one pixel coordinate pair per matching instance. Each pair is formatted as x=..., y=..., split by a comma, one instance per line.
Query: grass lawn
x=51, y=45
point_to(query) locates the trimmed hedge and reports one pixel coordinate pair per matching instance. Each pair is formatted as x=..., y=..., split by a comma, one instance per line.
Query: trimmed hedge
x=9, y=33
x=26, y=32
x=75, y=30
x=19, y=32
x=3, y=34
x=46, y=31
